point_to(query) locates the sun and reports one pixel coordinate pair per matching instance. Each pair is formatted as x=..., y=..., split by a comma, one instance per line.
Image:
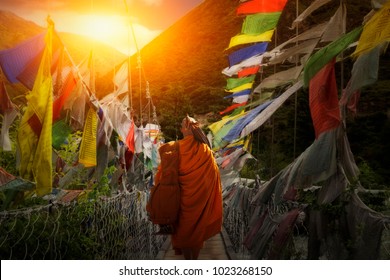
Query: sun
x=113, y=30
x=105, y=28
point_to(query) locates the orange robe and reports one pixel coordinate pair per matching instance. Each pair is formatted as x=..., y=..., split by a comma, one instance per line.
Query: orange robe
x=201, y=195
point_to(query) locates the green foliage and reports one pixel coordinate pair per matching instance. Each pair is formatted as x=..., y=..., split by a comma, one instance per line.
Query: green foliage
x=377, y=201
x=8, y=162
x=69, y=150
x=102, y=187
x=368, y=177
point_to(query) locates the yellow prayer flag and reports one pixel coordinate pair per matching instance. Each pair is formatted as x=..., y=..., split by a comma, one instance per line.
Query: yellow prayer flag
x=375, y=31
x=247, y=39
x=241, y=88
x=87, y=154
x=215, y=127
x=35, y=131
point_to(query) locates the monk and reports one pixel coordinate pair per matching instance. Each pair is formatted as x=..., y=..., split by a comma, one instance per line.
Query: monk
x=200, y=215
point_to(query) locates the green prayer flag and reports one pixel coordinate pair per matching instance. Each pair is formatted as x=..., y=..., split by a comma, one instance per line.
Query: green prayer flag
x=317, y=61
x=236, y=82
x=260, y=23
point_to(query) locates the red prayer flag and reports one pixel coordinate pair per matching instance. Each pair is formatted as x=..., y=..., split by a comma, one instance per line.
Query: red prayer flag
x=248, y=71
x=261, y=6
x=130, y=143
x=230, y=108
x=64, y=92
x=323, y=99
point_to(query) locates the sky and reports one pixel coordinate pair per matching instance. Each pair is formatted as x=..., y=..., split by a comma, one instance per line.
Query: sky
x=110, y=21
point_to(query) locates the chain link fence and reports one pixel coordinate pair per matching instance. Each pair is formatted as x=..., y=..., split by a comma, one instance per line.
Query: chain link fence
x=107, y=229
x=113, y=228
x=251, y=230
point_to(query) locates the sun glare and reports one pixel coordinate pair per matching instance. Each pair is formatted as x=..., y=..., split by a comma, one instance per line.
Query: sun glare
x=113, y=31
x=104, y=28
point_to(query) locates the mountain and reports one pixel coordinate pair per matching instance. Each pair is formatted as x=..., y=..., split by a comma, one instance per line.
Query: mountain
x=15, y=30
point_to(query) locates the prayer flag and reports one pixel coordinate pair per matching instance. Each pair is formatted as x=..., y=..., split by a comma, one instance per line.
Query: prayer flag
x=13, y=61
x=252, y=61
x=313, y=6
x=260, y=23
x=64, y=93
x=248, y=71
x=232, y=107
x=261, y=6
x=364, y=72
x=270, y=110
x=21, y=63
x=235, y=132
x=236, y=82
x=222, y=127
x=280, y=78
x=241, y=87
x=324, y=55
x=293, y=54
x=315, y=32
x=375, y=31
x=241, y=98
x=121, y=79
x=130, y=142
x=247, y=39
x=337, y=25
x=323, y=100
x=35, y=131
x=87, y=154
x=240, y=93
x=247, y=52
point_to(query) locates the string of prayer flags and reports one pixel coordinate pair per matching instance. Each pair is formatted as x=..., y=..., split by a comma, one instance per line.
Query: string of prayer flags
x=235, y=132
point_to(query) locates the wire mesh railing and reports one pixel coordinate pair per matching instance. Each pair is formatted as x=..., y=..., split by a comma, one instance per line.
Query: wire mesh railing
x=108, y=228
x=111, y=228
x=254, y=231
